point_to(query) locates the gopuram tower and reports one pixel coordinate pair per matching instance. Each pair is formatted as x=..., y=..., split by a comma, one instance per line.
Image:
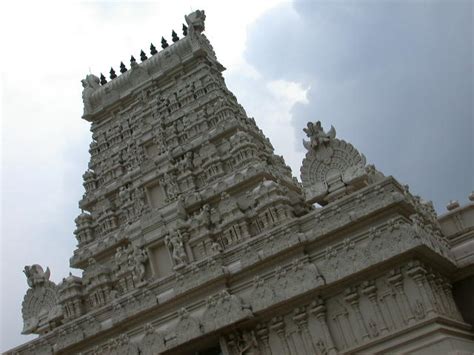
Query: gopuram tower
x=195, y=238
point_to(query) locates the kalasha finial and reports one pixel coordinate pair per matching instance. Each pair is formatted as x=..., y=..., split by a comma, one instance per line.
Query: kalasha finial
x=185, y=30
x=132, y=60
x=143, y=56
x=153, y=50
x=103, y=80
x=164, y=44
x=174, y=36
x=112, y=74
x=123, y=68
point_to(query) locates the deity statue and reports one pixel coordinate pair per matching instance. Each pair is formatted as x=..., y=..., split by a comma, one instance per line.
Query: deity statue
x=136, y=262
x=176, y=246
x=172, y=189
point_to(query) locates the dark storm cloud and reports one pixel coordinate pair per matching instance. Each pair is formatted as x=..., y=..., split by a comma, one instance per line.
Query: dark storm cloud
x=394, y=78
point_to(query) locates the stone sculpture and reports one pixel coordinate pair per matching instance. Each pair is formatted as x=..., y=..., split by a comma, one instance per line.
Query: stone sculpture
x=332, y=167
x=195, y=22
x=40, y=305
x=90, y=85
x=175, y=244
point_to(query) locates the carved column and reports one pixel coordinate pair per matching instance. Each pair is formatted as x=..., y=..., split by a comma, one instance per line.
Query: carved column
x=396, y=279
x=352, y=297
x=263, y=335
x=431, y=277
x=447, y=287
x=300, y=317
x=370, y=291
x=278, y=325
x=318, y=309
x=418, y=273
x=439, y=286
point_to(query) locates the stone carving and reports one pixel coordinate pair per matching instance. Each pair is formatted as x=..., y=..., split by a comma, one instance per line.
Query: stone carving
x=153, y=342
x=40, y=305
x=319, y=139
x=188, y=327
x=136, y=264
x=223, y=309
x=171, y=187
x=90, y=85
x=332, y=167
x=195, y=275
x=35, y=276
x=262, y=294
x=175, y=244
x=195, y=21
x=69, y=336
x=243, y=342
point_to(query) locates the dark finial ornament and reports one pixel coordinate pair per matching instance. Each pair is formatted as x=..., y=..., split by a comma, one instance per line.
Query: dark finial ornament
x=123, y=68
x=112, y=74
x=132, y=60
x=174, y=36
x=164, y=44
x=103, y=80
x=153, y=50
x=143, y=56
x=185, y=30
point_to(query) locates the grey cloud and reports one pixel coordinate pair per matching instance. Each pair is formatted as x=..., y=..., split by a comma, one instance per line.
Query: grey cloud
x=394, y=78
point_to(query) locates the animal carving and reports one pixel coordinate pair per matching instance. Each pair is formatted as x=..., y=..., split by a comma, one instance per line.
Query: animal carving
x=35, y=275
x=90, y=84
x=195, y=21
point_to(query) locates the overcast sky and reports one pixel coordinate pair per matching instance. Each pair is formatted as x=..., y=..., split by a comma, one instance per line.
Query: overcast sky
x=394, y=78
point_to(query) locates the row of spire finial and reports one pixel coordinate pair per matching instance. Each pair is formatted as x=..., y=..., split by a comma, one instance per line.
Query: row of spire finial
x=143, y=56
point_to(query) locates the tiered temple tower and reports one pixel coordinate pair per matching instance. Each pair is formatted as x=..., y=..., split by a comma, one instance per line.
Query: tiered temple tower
x=195, y=238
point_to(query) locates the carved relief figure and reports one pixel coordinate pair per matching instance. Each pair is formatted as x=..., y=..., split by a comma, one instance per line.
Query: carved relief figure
x=136, y=262
x=175, y=244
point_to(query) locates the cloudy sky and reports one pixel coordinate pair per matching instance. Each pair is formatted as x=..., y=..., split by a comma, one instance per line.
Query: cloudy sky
x=394, y=78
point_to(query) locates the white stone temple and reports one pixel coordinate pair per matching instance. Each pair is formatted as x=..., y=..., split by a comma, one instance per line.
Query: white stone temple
x=195, y=238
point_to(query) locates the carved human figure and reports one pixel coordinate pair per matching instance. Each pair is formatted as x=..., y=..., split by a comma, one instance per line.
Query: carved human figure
x=124, y=195
x=172, y=189
x=119, y=258
x=136, y=261
x=204, y=217
x=139, y=199
x=175, y=244
x=186, y=164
